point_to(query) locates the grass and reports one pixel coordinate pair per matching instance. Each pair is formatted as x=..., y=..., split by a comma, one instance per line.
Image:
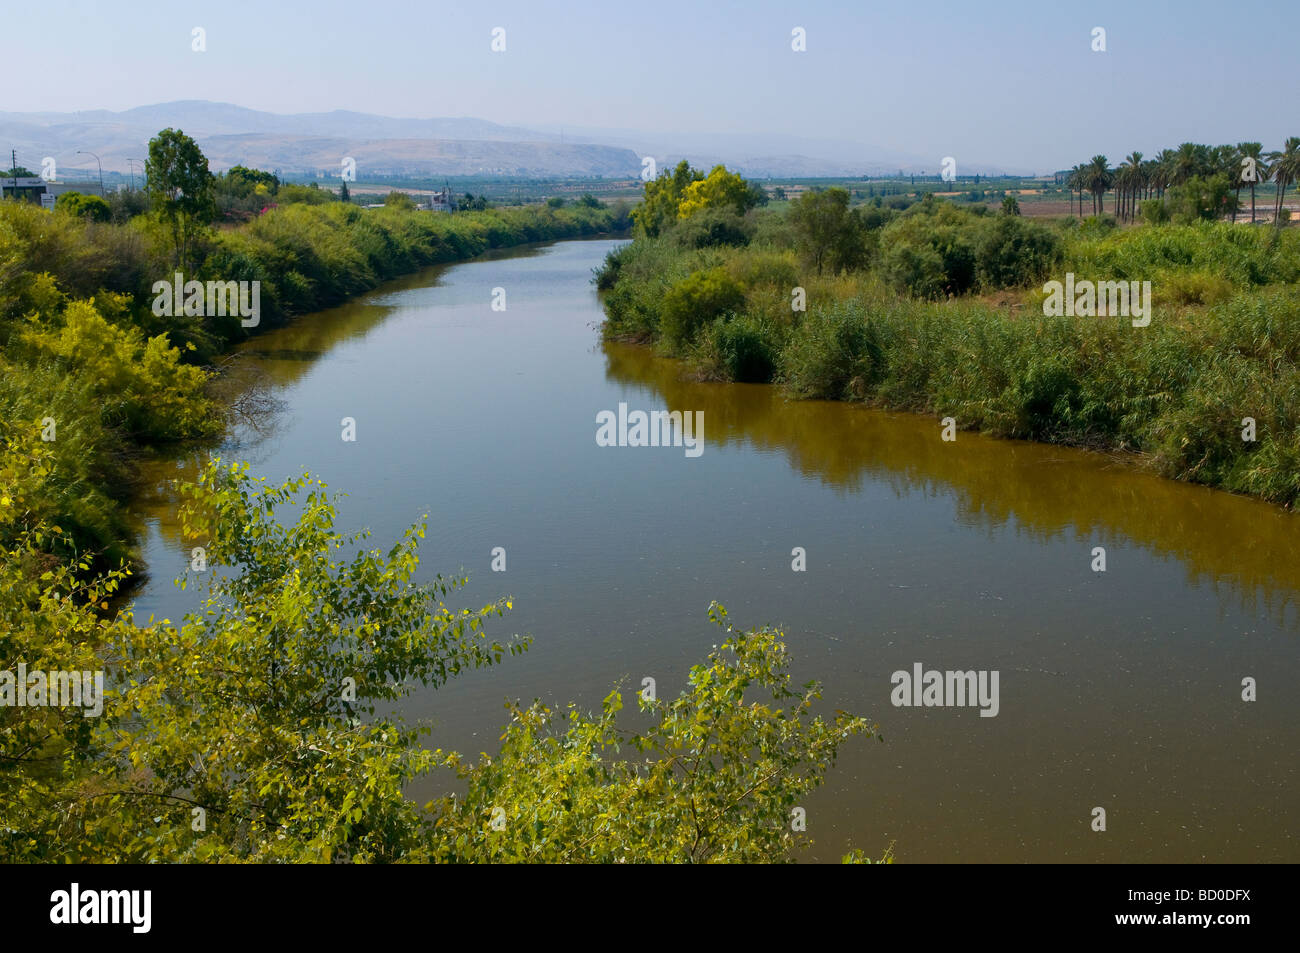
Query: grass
x=1222, y=346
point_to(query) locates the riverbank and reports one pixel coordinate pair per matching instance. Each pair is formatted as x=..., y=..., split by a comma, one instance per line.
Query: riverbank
x=977, y=555
x=94, y=370
x=1207, y=392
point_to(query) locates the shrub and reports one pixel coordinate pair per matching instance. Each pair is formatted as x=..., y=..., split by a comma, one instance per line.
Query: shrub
x=915, y=269
x=766, y=269
x=305, y=194
x=1013, y=252
x=697, y=300
x=744, y=349
x=83, y=206
x=1196, y=287
x=237, y=709
x=1154, y=211
x=1200, y=199
x=713, y=227
x=833, y=355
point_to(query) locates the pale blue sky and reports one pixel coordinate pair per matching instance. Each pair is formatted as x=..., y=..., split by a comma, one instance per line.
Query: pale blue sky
x=1012, y=82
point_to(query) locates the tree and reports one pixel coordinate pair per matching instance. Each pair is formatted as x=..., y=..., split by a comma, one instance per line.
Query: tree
x=242, y=180
x=84, y=206
x=827, y=231
x=715, y=777
x=1075, y=182
x=1150, y=172
x=1099, y=178
x=180, y=190
x=1164, y=171
x=721, y=189
x=399, y=200
x=1010, y=206
x=1189, y=159
x=1199, y=199
x=1012, y=252
x=1129, y=178
x=344, y=194
x=1286, y=169
x=1253, y=151
x=663, y=198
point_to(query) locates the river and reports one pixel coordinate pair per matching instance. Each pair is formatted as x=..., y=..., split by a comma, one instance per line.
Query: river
x=1119, y=689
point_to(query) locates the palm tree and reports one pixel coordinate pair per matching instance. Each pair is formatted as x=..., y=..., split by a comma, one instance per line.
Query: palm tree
x=1098, y=176
x=1129, y=179
x=1150, y=172
x=1189, y=159
x=1075, y=182
x=1286, y=169
x=1164, y=170
x=1226, y=161
x=1254, y=152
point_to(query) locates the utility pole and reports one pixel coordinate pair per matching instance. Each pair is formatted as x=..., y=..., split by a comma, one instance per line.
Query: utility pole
x=13, y=158
x=101, y=169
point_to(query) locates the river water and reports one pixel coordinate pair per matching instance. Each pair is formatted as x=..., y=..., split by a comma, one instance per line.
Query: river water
x=1119, y=690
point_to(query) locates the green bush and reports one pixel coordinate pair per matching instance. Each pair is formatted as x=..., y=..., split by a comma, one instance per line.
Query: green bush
x=713, y=227
x=304, y=194
x=1200, y=199
x=1154, y=211
x=237, y=710
x=766, y=269
x=695, y=301
x=744, y=349
x=915, y=269
x=833, y=355
x=1013, y=253
x=1176, y=390
x=83, y=206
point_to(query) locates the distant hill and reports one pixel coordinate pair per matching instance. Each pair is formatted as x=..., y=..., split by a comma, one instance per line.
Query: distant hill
x=316, y=143
x=381, y=157
x=310, y=143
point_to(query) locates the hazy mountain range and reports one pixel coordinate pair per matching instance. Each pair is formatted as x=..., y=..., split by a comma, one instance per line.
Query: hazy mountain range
x=316, y=143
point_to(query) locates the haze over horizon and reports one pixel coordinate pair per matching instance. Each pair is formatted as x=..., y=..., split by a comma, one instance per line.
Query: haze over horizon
x=946, y=79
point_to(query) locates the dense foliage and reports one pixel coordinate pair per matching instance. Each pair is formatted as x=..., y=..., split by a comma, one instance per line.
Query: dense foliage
x=939, y=309
x=83, y=350
x=256, y=729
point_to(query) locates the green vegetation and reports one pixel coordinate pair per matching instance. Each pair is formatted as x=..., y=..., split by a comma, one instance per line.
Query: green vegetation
x=180, y=190
x=1204, y=182
x=82, y=349
x=938, y=309
x=241, y=193
x=256, y=728
x=84, y=206
x=252, y=731
x=679, y=195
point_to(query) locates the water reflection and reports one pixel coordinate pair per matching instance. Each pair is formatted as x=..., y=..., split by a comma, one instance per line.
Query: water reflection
x=1235, y=543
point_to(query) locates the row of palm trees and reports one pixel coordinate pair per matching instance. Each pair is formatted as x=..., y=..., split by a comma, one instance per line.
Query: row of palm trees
x=1245, y=165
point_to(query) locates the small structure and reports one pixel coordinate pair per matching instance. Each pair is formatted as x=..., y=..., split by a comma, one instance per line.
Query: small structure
x=442, y=201
x=39, y=191
x=26, y=188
